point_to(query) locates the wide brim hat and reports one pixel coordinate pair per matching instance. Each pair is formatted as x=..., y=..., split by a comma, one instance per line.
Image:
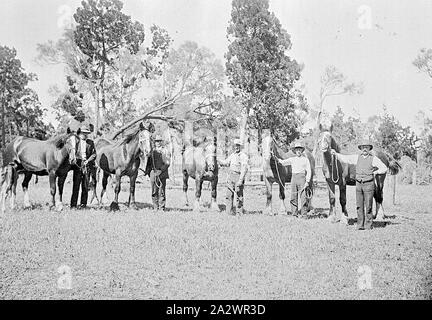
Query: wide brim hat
x=85, y=130
x=238, y=142
x=158, y=138
x=298, y=145
x=365, y=143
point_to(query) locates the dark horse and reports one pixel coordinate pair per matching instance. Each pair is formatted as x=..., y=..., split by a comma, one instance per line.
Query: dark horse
x=275, y=172
x=123, y=158
x=342, y=174
x=199, y=161
x=29, y=156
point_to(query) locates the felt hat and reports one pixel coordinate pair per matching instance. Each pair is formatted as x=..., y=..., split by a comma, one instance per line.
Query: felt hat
x=365, y=143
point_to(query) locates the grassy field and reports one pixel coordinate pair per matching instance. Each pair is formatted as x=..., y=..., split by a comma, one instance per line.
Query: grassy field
x=180, y=254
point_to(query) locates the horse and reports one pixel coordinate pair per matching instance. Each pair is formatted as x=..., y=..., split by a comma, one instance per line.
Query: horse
x=53, y=157
x=342, y=174
x=199, y=161
x=275, y=172
x=123, y=158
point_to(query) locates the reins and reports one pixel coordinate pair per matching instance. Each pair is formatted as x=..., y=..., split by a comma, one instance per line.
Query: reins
x=333, y=165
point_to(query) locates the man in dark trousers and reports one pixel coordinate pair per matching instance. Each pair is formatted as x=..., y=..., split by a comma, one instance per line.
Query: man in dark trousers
x=157, y=167
x=85, y=169
x=367, y=166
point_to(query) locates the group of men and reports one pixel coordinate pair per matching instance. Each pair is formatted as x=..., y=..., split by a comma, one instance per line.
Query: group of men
x=367, y=166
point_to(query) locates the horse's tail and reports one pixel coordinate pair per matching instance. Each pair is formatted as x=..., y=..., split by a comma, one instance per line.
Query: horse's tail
x=394, y=167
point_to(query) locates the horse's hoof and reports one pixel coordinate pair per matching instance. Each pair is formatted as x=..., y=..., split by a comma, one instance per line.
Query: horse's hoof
x=133, y=206
x=214, y=207
x=114, y=206
x=59, y=207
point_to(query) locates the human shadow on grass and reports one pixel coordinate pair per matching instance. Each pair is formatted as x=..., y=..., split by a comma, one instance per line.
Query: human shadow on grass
x=375, y=224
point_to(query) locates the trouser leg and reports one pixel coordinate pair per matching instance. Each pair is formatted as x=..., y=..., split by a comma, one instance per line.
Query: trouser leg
x=229, y=197
x=155, y=190
x=294, y=197
x=76, y=186
x=84, y=187
x=239, y=194
x=360, y=205
x=369, y=189
x=162, y=194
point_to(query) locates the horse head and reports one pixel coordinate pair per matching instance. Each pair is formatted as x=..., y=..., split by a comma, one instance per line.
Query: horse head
x=267, y=147
x=70, y=143
x=326, y=141
x=210, y=154
x=144, y=140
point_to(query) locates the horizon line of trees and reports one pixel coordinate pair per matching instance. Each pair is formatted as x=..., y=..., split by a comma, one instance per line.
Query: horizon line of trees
x=117, y=71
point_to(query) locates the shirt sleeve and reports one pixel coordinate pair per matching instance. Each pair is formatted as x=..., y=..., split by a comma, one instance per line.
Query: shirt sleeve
x=348, y=158
x=225, y=162
x=286, y=162
x=308, y=170
x=244, y=161
x=376, y=162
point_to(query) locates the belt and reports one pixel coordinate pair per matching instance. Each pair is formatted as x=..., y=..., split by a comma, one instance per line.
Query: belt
x=362, y=181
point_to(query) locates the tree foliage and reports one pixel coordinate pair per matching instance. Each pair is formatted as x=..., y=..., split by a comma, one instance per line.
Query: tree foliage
x=260, y=73
x=22, y=113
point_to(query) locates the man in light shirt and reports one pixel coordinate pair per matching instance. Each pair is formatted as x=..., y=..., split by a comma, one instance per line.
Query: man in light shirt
x=301, y=174
x=367, y=166
x=238, y=166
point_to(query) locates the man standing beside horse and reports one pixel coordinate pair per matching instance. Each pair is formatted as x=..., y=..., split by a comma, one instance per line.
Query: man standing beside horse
x=367, y=166
x=84, y=172
x=301, y=175
x=157, y=168
x=238, y=166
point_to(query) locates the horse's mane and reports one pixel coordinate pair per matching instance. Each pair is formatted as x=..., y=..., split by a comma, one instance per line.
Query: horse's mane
x=279, y=152
x=129, y=137
x=59, y=141
x=334, y=144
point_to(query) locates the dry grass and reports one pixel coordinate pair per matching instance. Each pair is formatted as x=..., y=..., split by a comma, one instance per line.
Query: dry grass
x=184, y=255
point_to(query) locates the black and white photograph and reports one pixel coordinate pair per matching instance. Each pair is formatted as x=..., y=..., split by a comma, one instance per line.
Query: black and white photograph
x=233, y=152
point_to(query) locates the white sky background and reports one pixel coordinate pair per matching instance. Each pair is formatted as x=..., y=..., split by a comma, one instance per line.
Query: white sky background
x=323, y=32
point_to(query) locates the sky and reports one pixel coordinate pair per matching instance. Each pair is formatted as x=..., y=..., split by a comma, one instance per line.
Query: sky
x=369, y=41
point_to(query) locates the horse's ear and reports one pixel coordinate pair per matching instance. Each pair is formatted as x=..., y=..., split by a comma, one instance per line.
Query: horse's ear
x=331, y=128
x=141, y=126
x=320, y=127
x=68, y=130
x=151, y=127
x=79, y=131
x=91, y=127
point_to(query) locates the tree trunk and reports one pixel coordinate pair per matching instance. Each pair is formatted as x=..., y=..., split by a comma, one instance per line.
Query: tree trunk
x=97, y=111
x=3, y=131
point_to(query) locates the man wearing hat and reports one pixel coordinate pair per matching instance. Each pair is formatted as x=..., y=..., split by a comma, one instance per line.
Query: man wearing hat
x=85, y=169
x=157, y=168
x=301, y=174
x=238, y=166
x=367, y=166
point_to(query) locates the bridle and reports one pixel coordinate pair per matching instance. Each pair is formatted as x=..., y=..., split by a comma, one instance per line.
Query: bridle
x=334, y=164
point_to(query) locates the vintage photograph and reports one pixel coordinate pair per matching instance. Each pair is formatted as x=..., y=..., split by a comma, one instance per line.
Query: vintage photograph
x=216, y=150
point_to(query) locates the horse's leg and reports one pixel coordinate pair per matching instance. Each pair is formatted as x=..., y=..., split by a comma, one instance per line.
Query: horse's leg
x=283, y=209
x=93, y=184
x=185, y=187
x=214, y=183
x=114, y=205
x=104, y=185
x=332, y=201
x=5, y=184
x=25, y=184
x=378, y=195
x=269, y=186
x=132, y=182
x=52, y=182
x=342, y=201
x=13, y=189
x=198, y=188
